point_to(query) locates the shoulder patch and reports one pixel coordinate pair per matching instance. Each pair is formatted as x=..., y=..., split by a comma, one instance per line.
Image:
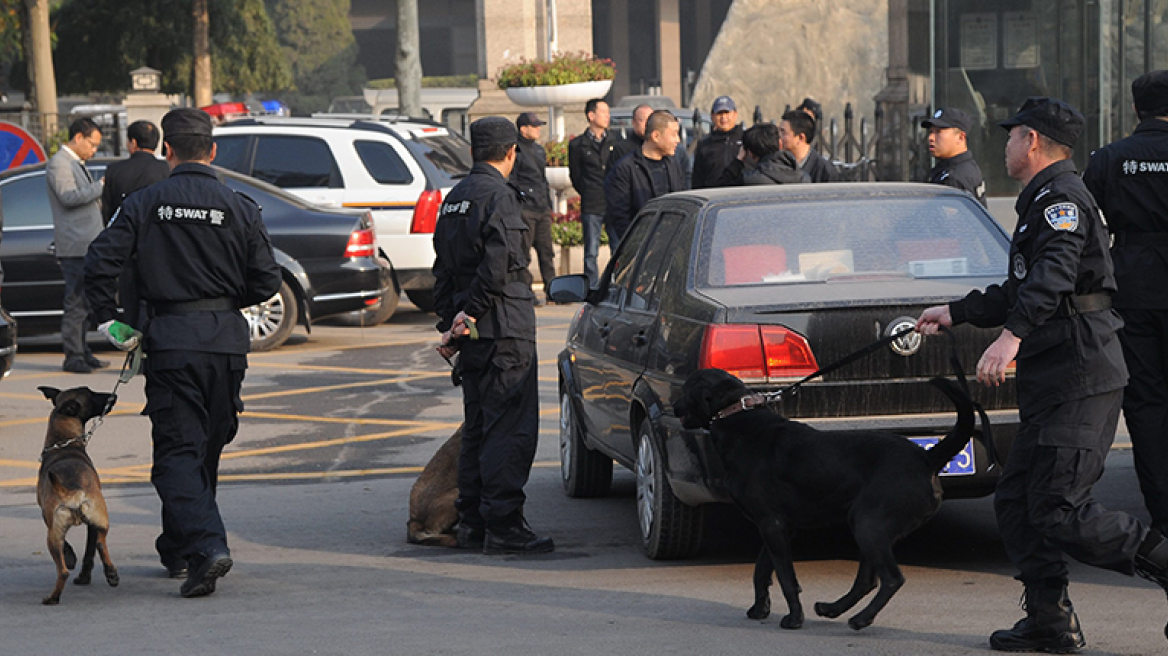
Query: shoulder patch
x=1062, y=216
x=459, y=208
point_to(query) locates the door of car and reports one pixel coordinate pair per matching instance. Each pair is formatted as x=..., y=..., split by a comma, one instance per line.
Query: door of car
x=635, y=326
x=611, y=401
x=34, y=287
x=386, y=181
x=303, y=165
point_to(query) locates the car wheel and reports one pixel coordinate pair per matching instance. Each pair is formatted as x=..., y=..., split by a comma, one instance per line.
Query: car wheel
x=669, y=528
x=585, y=472
x=423, y=298
x=370, y=317
x=272, y=321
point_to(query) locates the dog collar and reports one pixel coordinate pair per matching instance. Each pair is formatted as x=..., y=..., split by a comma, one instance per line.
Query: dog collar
x=745, y=403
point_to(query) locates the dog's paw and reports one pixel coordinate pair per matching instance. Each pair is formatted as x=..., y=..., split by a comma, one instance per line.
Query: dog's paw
x=792, y=621
x=83, y=578
x=760, y=610
x=827, y=610
x=111, y=576
x=859, y=622
x=51, y=600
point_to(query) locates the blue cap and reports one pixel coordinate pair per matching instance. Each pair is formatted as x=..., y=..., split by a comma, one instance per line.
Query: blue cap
x=724, y=104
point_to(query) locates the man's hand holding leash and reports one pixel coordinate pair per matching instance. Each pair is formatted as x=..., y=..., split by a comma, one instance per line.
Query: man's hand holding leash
x=463, y=326
x=991, y=368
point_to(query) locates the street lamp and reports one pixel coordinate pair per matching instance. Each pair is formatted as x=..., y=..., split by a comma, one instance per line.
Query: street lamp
x=145, y=80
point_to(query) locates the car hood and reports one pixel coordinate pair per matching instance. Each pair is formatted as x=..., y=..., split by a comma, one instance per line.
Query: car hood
x=850, y=292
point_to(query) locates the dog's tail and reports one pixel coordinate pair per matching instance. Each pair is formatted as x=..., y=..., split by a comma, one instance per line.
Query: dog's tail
x=955, y=441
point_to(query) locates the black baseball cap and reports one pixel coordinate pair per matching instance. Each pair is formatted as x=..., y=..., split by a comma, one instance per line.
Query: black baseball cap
x=186, y=121
x=948, y=117
x=1051, y=118
x=529, y=119
x=493, y=131
x=1150, y=93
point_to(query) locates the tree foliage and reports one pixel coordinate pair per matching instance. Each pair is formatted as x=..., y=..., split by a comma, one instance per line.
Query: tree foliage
x=100, y=41
x=317, y=40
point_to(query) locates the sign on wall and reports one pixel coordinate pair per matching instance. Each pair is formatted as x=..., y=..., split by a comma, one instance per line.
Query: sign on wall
x=1019, y=40
x=979, y=41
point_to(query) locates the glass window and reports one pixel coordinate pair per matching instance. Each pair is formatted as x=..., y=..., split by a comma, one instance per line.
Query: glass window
x=382, y=162
x=621, y=266
x=25, y=203
x=231, y=153
x=293, y=162
x=642, y=294
x=449, y=152
x=839, y=240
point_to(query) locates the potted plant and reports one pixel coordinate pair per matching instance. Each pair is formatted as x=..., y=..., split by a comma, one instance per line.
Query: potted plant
x=557, y=165
x=567, y=78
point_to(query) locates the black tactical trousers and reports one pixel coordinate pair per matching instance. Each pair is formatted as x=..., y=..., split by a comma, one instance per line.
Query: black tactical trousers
x=539, y=234
x=500, y=392
x=1145, y=403
x=1043, y=500
x=192, y=400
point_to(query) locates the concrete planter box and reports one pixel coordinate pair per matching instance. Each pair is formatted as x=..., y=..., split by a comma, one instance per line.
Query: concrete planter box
x=558, y=95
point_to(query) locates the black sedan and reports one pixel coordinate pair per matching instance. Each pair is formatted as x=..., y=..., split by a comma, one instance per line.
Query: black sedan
x=7, y=342
x=771, y=283
x=328, y=257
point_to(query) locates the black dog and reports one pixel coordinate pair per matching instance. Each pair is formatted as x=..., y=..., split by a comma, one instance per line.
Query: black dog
x=785, y=475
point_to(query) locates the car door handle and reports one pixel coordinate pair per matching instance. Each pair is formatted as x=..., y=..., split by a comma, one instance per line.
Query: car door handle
x=52, y=247
x=604, y=331
x=640, y=340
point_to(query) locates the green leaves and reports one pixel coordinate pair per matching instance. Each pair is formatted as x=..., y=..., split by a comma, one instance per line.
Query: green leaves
x=562, y=69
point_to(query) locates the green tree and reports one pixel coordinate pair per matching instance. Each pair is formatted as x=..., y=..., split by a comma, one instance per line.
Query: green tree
x=100, y=41
x=317, y=40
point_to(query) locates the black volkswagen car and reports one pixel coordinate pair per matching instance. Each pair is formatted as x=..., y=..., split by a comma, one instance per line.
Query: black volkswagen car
x=327, y=257
x=771, y=283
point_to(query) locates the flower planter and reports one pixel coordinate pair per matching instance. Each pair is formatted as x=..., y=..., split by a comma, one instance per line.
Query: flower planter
x=558, y=95
x=558, y=178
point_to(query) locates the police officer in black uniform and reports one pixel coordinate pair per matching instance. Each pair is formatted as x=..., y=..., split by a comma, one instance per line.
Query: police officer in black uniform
x=1059, y=327
x=1129, y=180
x=483, y=298
x=530, y=175
x=202, y=252
x=948, y=133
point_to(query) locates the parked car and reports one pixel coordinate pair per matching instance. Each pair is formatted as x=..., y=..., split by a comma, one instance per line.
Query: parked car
x=397, y=169
x=7, y=342
x=770, y=283
x=327, y=257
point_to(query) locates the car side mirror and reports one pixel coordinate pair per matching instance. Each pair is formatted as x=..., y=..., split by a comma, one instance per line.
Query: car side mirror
x=569, y=289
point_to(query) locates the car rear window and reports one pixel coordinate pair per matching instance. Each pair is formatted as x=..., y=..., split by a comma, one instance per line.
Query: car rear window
x=382, y=162
x=295, y=162
x=854, y=239
x=449, y=152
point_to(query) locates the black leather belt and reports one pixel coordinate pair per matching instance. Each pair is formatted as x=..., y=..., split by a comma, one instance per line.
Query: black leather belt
x=1128, y=238
x=223, y=304
x=1072, y=305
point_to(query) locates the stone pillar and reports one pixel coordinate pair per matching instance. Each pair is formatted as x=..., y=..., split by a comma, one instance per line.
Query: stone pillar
x=669, y=48
x=146, y=106
x=619, y=30
x=892, y=103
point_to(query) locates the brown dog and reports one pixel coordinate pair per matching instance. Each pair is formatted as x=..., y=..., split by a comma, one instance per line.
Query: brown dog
x=432, y=511
x=68, y=489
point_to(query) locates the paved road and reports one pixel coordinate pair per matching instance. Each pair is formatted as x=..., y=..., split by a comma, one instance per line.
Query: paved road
x=315, y=498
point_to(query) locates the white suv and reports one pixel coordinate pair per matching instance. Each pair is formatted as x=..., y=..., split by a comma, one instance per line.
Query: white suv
x=398, y=169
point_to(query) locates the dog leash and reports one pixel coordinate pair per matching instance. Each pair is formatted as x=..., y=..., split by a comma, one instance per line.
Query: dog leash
x=985, y=436
x=130, y=368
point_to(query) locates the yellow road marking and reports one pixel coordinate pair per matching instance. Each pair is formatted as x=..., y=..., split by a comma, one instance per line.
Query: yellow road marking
x=330, y=388
x=24, y=464
x=347, y=370
x=294, y=350
x=301, y=446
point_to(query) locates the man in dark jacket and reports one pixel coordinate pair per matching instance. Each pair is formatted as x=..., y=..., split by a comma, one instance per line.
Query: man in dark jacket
x=646, y=174
x=530, y=175
x=768, y=162
x=482, y=294
x=202, y=254
x=797, y=131
x=123, y=178
x=715, y=152
x=634, y=139
x=948, y=129
x=1129, y=180
x=588, y=156
x=1058, y=325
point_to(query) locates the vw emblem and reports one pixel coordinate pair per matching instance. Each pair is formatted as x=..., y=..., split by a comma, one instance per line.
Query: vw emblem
x=907, y=344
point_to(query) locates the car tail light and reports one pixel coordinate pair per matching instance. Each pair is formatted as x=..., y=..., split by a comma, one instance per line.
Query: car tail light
x=757, y=353
x=426, y=212
x=362, y=243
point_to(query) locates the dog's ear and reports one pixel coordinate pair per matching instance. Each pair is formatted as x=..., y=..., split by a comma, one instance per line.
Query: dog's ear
x=692, y=408
x=99, y=401
x=50, y=392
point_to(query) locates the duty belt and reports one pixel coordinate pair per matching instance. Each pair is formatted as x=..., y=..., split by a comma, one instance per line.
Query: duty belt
x=222, y=304
x=1134, y=238
x=1072, y=305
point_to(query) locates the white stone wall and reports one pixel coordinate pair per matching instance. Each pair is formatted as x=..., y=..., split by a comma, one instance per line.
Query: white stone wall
x=774, y=53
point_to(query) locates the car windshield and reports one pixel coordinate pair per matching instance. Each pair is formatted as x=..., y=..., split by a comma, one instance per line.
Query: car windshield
x=856, y=239
x=449, y=152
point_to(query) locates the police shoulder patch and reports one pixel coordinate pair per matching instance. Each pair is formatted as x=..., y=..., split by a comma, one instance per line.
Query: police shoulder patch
x=1062, y=216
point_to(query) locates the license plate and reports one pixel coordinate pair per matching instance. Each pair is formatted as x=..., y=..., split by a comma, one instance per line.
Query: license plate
x=961, y=464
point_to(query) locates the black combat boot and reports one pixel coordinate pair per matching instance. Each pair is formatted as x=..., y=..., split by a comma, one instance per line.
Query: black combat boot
x=514, y=536
x=470, y=529
x=1152, y=562
x=1050, y=624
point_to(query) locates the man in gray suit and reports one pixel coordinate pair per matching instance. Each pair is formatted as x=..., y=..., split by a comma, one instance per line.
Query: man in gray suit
x=74, y=197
